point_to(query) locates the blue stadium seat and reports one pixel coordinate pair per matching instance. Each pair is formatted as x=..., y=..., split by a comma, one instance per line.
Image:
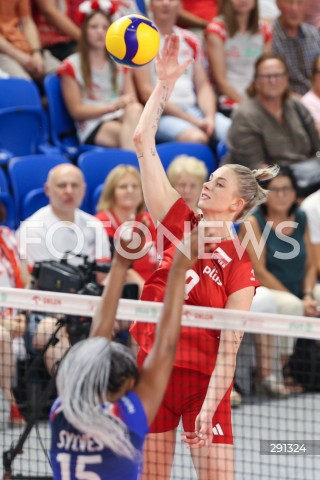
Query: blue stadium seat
x=5, y=156
x=222, y=149
x=7, y=200
x=96, y=166
x=28, y=175
x=62, y=129
x=169, y=150
x=22, y=119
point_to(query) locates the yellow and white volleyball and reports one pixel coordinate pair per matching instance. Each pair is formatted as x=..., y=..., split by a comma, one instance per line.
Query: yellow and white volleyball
x=133, y=40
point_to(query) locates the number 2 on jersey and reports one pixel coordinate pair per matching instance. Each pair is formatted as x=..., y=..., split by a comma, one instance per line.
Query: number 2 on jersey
x=192, y=279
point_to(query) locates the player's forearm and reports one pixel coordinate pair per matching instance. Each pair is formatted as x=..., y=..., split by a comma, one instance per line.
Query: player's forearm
x=168, y=329
x=104, y=317
x=224, y=369
x=150, y=117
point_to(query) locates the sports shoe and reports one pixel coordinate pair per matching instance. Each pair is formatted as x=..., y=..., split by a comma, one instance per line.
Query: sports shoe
x=270, y=387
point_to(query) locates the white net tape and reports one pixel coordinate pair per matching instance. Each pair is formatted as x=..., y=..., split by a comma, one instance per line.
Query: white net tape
x=131, y=310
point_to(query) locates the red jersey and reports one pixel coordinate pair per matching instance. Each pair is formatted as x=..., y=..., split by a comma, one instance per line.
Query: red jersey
x=146, y=265
x=206, y=9
x=209, y=283
x=49, y=34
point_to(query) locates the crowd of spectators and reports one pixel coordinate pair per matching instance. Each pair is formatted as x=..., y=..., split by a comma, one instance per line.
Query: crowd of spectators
x=254, y=84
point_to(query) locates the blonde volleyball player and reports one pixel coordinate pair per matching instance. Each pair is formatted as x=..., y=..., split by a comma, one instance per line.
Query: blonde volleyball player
x=201, y=382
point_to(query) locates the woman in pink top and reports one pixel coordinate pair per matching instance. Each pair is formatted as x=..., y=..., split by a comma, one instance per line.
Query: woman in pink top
x=234, y=40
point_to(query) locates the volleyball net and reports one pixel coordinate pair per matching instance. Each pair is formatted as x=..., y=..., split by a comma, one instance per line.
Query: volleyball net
x=276, y=432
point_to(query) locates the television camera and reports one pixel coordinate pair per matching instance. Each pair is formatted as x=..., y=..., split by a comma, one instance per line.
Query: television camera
x=61, y=276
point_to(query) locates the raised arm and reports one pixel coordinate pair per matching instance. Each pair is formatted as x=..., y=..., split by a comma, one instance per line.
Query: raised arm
x=158, y=192
x=105, y=314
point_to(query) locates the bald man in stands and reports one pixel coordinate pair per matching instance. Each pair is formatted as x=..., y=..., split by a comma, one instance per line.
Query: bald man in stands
x=61, y=226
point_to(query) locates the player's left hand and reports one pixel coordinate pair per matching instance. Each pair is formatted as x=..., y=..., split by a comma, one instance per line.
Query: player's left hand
x=202, y=436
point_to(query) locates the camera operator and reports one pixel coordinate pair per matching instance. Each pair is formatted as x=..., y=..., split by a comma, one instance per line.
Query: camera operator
x=52, y=231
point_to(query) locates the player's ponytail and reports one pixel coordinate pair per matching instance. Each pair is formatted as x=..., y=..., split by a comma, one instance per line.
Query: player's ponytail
x=82, y=384
x=250, y=188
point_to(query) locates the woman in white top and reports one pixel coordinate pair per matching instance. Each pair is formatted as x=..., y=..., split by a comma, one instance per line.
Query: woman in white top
x=234, y=40
x=99, y=95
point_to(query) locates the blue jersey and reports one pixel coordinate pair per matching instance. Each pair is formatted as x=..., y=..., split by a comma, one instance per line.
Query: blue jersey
x=75, y=455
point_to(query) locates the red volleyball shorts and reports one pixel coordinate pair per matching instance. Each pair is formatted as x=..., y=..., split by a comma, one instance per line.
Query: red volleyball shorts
x=183, y=400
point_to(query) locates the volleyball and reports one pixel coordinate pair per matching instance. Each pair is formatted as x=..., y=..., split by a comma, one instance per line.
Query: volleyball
x=132, y=40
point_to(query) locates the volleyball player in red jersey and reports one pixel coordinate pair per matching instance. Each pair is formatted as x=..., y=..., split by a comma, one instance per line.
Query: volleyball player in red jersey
x=201, y=382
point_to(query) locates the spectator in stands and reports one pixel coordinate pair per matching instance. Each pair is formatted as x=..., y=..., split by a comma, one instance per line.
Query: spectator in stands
x=296, y=42
x=195, y=16
x=187, y=175
x=128, y=7
x=13, y=273
x=190, y=115
x=99, y=95
x=313, y=13
x=267, y=127
x=21, y=54
x=121, y=200
x=268, y=11
x=267, y=381
x=311, y=205
x=57, y=25
x=234, y=41
x=58, y=228
x=285, y=264
x=311, y=99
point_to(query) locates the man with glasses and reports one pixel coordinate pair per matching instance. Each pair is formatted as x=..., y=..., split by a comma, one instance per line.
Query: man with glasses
x=296, y=42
